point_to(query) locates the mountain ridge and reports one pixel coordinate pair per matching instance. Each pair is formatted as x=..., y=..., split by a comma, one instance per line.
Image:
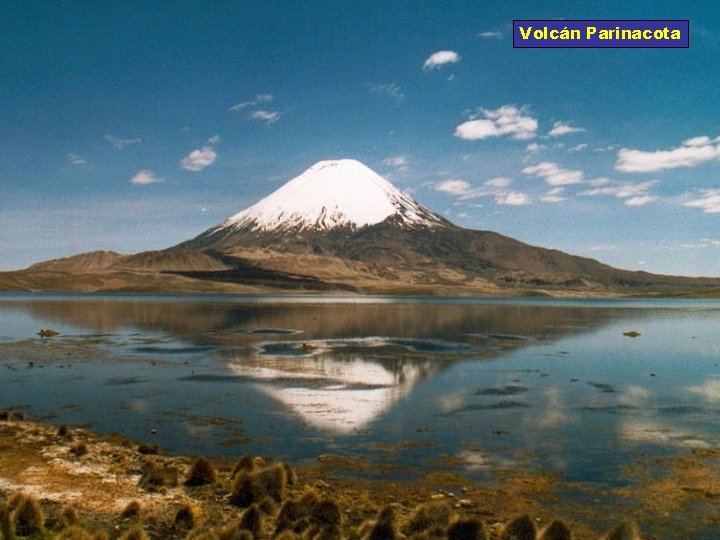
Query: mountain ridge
x=340, y=227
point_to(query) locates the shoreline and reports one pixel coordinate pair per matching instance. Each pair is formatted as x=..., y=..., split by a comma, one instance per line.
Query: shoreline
x=106, y=475
x=99, y=476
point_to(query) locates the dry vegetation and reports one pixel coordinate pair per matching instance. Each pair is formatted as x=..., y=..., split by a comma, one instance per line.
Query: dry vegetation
x=110, y=489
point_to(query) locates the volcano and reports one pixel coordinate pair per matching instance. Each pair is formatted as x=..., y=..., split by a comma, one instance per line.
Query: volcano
x=339, y=226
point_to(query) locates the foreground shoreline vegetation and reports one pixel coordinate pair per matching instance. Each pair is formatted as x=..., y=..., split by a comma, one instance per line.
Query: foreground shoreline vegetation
x=59, y=482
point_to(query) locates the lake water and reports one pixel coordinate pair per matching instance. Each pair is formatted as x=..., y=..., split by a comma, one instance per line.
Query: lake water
x=411, y=384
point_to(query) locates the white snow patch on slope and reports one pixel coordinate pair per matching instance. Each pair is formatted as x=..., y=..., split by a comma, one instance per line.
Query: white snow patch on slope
x=339, y=193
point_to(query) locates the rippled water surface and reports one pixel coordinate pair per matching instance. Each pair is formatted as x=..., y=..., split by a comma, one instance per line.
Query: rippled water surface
x=469, y=384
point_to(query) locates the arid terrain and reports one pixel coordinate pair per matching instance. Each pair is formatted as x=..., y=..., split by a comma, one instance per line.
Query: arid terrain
x=262, y=270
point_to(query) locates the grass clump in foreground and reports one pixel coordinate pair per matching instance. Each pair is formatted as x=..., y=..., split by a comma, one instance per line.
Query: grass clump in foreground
x=21, y=516
x=250, y=487
x=202, y=473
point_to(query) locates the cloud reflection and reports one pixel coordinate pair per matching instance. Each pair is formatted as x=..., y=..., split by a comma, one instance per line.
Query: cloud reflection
x=555, y=413
x=709, y=390
x=646, y=431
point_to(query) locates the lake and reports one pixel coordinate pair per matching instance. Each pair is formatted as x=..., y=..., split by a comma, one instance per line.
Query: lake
x=472, y=385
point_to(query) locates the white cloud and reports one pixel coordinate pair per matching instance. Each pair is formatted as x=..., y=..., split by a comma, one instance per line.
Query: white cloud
x=76, y=160
x=260, y=98
x=399, y=161
x=490, y=35
x=495, y=187
x=601, y=181
x=690, y=153
x=702, y=244
x=390, y=90
x=440, y=58
x=119, y=143
x=553, y=174
x=145, y=177
x=198, y=159
x=620, y=190
x=215, y=139
x=459, y=188
x=634, y=194
x=578, y=147
x=513, y=198
x=499, y=182
x=266, y=116
x=563, y=128
x=708, y=201
x=641, y=200
x=554, y=196
x=534, y=148
x=508, y=120
x=241, y=106
x=606, y=148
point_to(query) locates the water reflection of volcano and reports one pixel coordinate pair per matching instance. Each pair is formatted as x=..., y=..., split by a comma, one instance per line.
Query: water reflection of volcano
x=331, y=391
x=348, y=376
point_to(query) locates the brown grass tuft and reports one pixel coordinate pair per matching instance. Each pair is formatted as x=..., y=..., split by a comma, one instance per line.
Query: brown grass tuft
x=75, y=532
x=148, y=449
x=79, y=449
x=520, y=528
x=467, y=529
x=155, y=477
x=433, y=517
x=268, y=506
x=627, y=530
x=245, y=464
x=7, y=528
x=251, y=520
x=557, y=530
x=135, y=533
x=295, y=515
x=204, y=534
x=188, y=516
x=250, y=487
x=132, y=510
x=327, y=514
x=384, y=527
x=68, y=517
x=287, y=535
x=291, y=475
x=202, y=473
x=326, y=533
x=233, y=532
x=26, y=515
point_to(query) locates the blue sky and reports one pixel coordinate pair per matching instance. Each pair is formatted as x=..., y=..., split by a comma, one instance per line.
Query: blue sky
x=136, y=125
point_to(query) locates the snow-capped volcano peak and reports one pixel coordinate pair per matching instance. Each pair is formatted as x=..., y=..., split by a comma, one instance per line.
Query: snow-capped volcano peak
x=330, y=194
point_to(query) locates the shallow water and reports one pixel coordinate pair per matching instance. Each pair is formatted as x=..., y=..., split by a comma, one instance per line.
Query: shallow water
x=473, y=385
